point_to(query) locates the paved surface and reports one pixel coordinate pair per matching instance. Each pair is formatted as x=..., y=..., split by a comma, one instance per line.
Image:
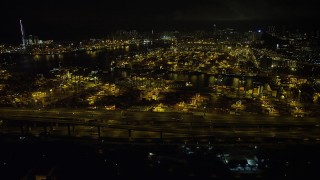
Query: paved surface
x=102, y=123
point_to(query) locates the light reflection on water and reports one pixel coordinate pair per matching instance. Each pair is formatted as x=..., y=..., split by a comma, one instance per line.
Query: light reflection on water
x=206, y=80
x=93, y=60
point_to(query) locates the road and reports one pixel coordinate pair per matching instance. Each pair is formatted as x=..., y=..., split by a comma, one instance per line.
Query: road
x=102, y=123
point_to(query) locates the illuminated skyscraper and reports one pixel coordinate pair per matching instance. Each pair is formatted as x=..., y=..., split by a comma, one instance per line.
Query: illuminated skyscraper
x=22, y=35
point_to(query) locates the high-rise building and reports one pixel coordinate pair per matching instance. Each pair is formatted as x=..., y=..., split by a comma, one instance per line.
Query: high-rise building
x=22, y=35
x=30, y=40
x=214, y=29
x=35, y=40
x=272, y=30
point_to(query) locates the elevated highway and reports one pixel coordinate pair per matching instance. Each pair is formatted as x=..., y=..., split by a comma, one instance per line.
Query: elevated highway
x=101, y=123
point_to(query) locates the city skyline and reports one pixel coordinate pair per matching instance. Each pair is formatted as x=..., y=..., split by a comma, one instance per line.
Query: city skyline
x=81, y=20
x=164, y=89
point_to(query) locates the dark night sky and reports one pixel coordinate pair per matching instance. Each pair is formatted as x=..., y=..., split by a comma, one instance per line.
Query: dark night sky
x=70, y=19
